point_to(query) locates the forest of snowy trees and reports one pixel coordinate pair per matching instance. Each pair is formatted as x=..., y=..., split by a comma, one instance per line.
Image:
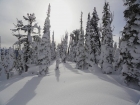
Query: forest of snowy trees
x=93, y=47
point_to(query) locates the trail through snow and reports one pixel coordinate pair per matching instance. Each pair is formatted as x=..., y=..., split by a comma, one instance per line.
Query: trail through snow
x=66, y=86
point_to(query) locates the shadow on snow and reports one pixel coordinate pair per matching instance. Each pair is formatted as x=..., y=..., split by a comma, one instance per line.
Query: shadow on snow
x=23, y=96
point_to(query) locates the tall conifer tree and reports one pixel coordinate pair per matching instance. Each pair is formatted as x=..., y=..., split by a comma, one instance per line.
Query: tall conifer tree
x=95, y=38
x=88, y=44
x=130, y=41
x=107, y=41
x=80, y=48
x=44, y=48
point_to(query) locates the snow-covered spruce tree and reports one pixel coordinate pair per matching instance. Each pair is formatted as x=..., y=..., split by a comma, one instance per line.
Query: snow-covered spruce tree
x=35, y=49
x=28, y=28
x=8, y=61
x=107, y=41
x=88, y=43
x=47, y=32
x=2, y=54
x=64, y=48
x=71, y=49
x=115, y=56
x=114, y=48
x=69, y=56
x=75, y=37
x=5, y=62
x=3, y=75
x=57, y=58
x=2, y=69
x=19, y=64
x=61, y=48
x=53, y=47
x=119, y=42
x=44, y=47
x=130, y=42
x=95, y=38
x=19, y=61
x=80, y=55
x=26, y=39
x=116, y=59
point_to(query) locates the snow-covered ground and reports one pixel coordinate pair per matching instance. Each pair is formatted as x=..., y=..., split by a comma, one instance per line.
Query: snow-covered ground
x=67, y=86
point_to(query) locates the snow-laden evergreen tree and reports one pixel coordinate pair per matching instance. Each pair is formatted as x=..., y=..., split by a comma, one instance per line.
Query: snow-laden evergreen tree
x=130, y=42
x=57, y=58
x=116, y=59
x=47, y=31
x=2, y=55
x=71, y=49
x=44, y=47
x=3, y=74
x=74, y=37
x=64, y=48
x=107, y=41
x=88, y=43
x=35, y=49
x=6, y=63
x=26, y=39
x=80, y=55
x=61, y=48
x=119, y=42
x=95, y=38
x=114, y=48
x=10, y=59
x=53, y=47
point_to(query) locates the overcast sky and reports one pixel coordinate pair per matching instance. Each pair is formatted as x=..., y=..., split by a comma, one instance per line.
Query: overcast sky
x=65, y=15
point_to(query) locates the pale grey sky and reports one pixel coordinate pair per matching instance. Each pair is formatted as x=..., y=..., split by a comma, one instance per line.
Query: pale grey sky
x=65, y=15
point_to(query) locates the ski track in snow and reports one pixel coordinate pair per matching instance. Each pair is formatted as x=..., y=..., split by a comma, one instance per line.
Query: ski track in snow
x=66, y=86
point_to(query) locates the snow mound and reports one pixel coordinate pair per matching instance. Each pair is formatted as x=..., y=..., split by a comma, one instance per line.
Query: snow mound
x=66, y=86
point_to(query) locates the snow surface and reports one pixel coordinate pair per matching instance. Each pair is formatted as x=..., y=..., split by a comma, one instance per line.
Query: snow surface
x=66, y=86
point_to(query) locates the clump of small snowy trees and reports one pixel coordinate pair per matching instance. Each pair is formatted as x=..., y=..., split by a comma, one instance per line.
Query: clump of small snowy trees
x=6, y=63
x=96, y=48
x=30, y=49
